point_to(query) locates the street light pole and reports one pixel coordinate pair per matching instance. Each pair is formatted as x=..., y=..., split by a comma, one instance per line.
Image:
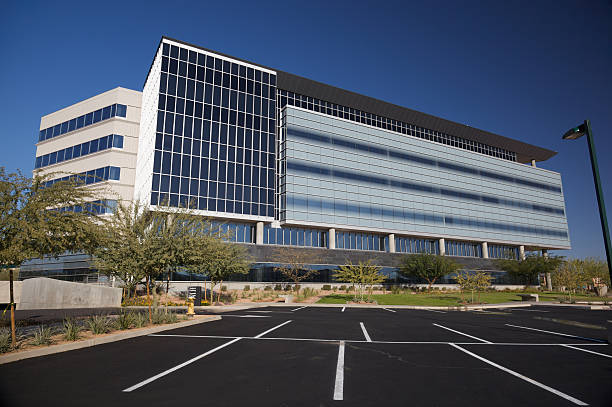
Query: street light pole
x=575, y=133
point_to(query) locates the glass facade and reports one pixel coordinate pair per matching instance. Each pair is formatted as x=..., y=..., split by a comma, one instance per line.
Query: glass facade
x=89, y=147
x=497, y=251
x=286, y=98
x=215, y=134
x=99, y=207
x=339, y=173
x=416, y=245
x=463, y=249
x=91, y=176
x=361, y=241
x=290, y=236
x=116, y=110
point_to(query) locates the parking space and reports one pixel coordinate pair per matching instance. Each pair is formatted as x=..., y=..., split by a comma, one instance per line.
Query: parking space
x=307, y=355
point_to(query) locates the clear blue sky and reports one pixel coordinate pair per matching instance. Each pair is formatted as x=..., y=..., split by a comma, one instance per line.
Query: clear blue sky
x=523, y=69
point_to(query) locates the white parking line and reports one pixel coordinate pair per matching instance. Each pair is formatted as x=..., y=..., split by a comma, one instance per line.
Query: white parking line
x=390, y=310
x=259, y=311
x=247, y=316
x=272, y=329
x=464, y=334
x=557, y=333
x=588, y=351
x=339, y=386
x=164, y=373
x=343, y=308
x=365, y=333
x=529, y=310
x=433, y=310
x=520, y=376
x=298, y=308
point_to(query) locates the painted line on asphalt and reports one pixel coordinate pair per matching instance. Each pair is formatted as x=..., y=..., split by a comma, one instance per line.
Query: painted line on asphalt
x=247, y=316
x=343, y=308
x=528, y=310
x=390, y=310
x=464, y=334
x=520, y=376
x=557, y=333
x=365, y=333
x=272, y=329
x=380, y=342
x=588, y=351
x=339, y=385
x=433, y=310
x=298, y=308
x=166, y=372
x=260, y=311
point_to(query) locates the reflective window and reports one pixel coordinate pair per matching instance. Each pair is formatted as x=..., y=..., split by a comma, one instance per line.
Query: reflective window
x=92, y=176
x=83, y=121
x=289, y=236
x=89, y=147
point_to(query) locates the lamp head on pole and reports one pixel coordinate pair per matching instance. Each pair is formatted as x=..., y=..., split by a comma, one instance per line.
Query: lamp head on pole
x=575, y=132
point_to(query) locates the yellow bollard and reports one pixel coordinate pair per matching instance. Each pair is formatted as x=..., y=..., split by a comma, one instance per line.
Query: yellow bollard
x=190, y=309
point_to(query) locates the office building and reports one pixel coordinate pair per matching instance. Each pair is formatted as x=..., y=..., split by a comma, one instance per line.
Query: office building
x=288, y=161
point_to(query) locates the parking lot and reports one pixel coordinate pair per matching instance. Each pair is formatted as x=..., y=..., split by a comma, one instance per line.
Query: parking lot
x=313, y=356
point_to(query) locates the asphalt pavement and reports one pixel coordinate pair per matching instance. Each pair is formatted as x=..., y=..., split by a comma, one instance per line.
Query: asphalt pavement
x=312, y=356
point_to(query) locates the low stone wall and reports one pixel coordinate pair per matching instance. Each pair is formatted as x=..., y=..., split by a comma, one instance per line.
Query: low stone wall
x=5, y=292
x=47, y=293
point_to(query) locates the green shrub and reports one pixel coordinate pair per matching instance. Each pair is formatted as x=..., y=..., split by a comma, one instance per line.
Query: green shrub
x=140, y=319
x=288, y=287
x=396, y=289
x=5, y=340
x=42, y=336
x=98, y=324
x=124, y=320
x=72, y=329
x=342, y=288
x=278, y=287
x=246, y=288
x=326, y=287
x=223, y=288
x=268, y=288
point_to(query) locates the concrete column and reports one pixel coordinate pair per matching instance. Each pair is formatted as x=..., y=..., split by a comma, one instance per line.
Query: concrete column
x=533, y=163
x=442, y=247
x=391, y=243
x=548, y=276
x=522, y=252
x=331, y=237
x=485, y=250
x=259, y=230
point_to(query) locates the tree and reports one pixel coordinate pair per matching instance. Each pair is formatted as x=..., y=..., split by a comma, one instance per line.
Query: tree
x=429, y=267
x=211, y=255
x=570, y=276
x=362, y=274
x=597, y=272
x=295, y=267
x=40, y=219
x=474, y=281
x=526, y=270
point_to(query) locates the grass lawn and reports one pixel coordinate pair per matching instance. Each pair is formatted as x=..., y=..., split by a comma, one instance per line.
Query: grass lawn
x=448, y=299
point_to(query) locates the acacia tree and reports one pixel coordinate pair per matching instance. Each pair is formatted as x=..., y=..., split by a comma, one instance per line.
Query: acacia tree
x=295, y=266
x=526, y=270
x=40, y=219
x=362, y=274
x=426, y=266
x=570, y=276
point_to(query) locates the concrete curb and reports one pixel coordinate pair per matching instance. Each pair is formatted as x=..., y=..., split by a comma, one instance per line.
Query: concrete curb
x=65, y=347
x=577, y=306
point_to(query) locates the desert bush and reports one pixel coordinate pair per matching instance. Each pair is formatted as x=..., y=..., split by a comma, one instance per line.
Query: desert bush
x=246, y=288
x=268, y=288
x=124, y=320
x=140, y=319
x=288, y=287
x=342, y=288
x=223, y=288
x=5, y=340
x=278, y=287
x=396, y=289
x=72, y=329
x=98, y=324
x=326, y=287
x=42, y=336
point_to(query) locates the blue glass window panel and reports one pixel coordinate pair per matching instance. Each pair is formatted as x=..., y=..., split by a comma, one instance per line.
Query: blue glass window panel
x=85, y=148
x=121, y=110
x=99, y=175
x=117, y=141
x=38, y=162
x=52, y=158
x=102, y=144
x=72, y=125
x=115, y=173
x=60, y=156
x=97, y=115
x=93, y=146
x=113, y=112
x=89, y=119
x=106, y=113
x=64, y=128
